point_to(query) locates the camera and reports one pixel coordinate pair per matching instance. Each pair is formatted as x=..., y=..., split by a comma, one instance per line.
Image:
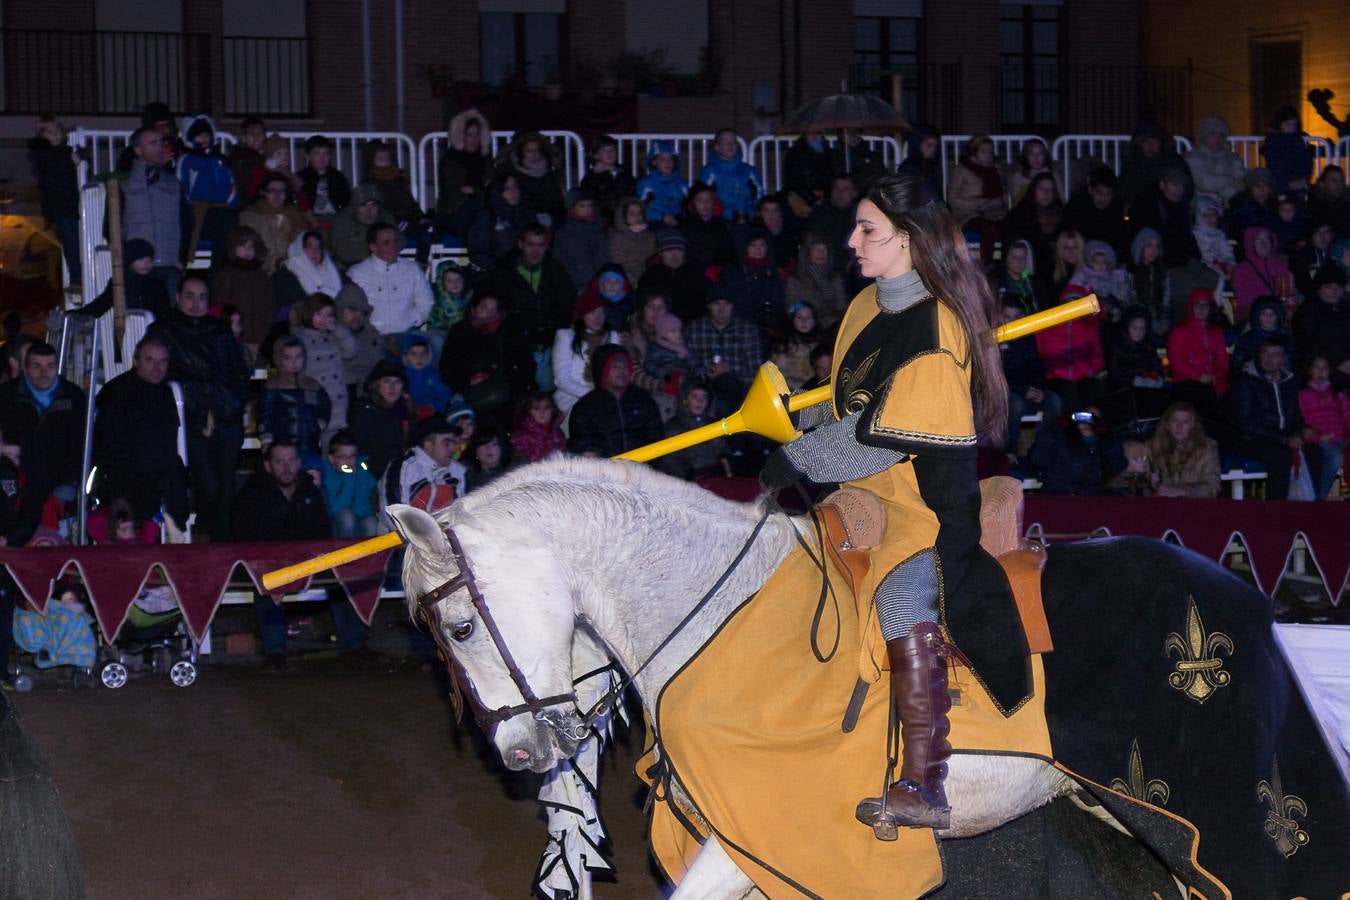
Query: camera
x=1083, y=417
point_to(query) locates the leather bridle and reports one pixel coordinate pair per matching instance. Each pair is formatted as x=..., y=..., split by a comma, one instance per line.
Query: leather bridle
x=430, y=617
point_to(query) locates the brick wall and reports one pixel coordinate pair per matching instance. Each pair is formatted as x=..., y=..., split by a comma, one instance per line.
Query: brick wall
x=966, y=31
x=62, y=14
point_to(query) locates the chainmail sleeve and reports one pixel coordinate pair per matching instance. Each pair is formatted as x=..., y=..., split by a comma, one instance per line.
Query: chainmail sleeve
x=831, y=453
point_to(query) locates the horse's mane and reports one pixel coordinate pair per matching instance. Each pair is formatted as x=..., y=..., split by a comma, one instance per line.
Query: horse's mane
x=563, y=479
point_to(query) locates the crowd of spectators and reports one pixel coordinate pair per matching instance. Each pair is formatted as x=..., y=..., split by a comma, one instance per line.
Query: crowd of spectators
x=601, y=318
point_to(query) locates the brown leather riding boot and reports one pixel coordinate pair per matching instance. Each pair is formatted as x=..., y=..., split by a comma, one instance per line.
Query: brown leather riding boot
x=919, y=692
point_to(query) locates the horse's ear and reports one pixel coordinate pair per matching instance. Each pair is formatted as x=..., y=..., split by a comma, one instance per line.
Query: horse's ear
x=419, y=530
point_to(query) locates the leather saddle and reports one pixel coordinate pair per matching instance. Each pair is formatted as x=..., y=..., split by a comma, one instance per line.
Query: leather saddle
x=855, y=521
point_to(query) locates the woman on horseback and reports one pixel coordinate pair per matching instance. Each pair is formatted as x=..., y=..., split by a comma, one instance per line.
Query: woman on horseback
x=917, y=381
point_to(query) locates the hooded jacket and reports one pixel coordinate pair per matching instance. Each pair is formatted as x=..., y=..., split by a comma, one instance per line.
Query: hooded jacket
x=323, y=363
x=608, y=189
x=819, y=285
x=930, y=170
x=1289, y=159
x=737, y=183
x=51, y=439
x=261, y=512
x=54, y=170
x=347, y=237
x=630, y=249
x=1323, y=329
x=320, y=279
x=495, y=229
x=448, y=309
x=458, y=168
x=537, y=311
x=276, y=226
x=1258, y=276
x=1152, y=285
x=1129, y=360
x=709, y=243
x=756, y=291
x=571, y=368
x=1139, y=174
x=617, y=311
x=1109, y=225
x=208, y=362
x=243, y=284
x=1326, y=411
x=606, y=424
x=540, y=189
x=807, y=169
x=582, y=247
x=1264, y=409
x=663, y=195
x=332, y=185
x=205, y=174
x=700, y=458
x=1195, y=348
x=1172, y=221
x=136, y=446
x=381, y=432
x=1072, y=351
x=1211, y=239
x=1249, y=342
x=1112, y=286
x=1218, y=173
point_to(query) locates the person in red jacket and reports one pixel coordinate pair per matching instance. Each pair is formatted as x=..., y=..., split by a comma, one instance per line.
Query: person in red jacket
x=1075, y=363
x=1198, y=357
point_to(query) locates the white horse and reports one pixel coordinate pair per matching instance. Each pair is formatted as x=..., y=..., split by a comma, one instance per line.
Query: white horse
x=626, y=553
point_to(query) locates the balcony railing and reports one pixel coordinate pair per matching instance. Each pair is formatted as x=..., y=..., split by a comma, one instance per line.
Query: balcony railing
x=1091, y=99
x=118, y=72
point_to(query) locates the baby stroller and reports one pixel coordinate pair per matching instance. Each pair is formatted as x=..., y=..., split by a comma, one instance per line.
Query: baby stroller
x=154, y=633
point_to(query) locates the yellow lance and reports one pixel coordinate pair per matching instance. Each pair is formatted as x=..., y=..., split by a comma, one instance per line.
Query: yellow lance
x=765, y=412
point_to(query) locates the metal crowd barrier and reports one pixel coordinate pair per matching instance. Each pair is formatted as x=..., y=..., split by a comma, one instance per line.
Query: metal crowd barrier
x=767, y=154
x=431, y=146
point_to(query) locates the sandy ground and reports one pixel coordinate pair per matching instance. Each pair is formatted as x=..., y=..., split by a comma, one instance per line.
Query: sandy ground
x=338, y=779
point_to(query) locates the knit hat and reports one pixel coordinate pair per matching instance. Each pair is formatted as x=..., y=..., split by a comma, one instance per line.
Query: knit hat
x=386, y=368
x=137, y=248
x=587, y=302
x=670, y=239
x=352, y=296
x=458, y=409
x=1259, y=175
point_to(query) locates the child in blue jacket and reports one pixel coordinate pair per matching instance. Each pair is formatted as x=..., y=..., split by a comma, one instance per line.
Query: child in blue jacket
x=663, y=189
x=348, y=489
x=737, y=183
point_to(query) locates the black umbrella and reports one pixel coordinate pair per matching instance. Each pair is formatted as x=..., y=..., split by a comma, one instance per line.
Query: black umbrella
x=840, y=112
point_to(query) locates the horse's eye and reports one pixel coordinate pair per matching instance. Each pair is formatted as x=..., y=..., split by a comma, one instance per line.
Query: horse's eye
x=462, y=631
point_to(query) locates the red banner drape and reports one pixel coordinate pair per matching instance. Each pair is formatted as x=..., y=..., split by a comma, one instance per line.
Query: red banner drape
x=198, y=574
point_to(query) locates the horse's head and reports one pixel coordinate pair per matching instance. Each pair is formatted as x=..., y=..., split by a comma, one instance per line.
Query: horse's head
x=527, y=596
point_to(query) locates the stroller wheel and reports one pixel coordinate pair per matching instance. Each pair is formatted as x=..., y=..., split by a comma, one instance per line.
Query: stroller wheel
x=82, y=678
x=159, y=660
x=183, y=673
x=113, y=675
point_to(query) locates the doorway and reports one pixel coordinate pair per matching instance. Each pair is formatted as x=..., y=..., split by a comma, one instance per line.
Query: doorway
x=1276, y=77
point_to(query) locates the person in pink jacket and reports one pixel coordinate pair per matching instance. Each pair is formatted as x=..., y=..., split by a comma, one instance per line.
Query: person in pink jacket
x=1261, y=273
x=1072, y=353
x=1198, y=357
x=1326, y=420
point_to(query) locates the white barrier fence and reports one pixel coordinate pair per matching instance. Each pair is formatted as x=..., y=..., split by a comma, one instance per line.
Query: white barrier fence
x=769, y=153
x=427, y=184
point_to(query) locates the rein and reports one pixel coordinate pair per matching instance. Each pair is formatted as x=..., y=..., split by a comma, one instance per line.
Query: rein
x=430, y=617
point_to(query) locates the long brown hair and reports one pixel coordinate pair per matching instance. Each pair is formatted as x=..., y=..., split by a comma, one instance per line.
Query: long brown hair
x=1170, y=459
x=944, y=263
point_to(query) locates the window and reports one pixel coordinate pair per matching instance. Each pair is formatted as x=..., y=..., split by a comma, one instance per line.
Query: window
x=886, y=46
x=520, y=44
x=1029, y=35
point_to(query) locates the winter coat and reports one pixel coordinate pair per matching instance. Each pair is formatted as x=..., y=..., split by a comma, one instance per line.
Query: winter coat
x=793, y=359
x=207, y=361
x=51, y=441
x=820, y=286
x=427, y=390
x=141, y=292
x=700, y=458
x=331, y=186
x=206, y=176
x=807, y=171
x=1258, y=276
x=360, y=351
x=969, y=195
x=261, y=512
x=381, y=433
x=532, y=441
x=1198, y=476
x=1215, y=250
x=571, y=368
x=1128, y=360
x=685, y=289
x=320, y=279
x=1172, y=221
x=495, y=229
x=608, y=189
x=136, y=446
x=396, y=196
x=709, y=243
x=582, y=248
x=1289, y=159
x=663, y=195
x=1022, y=366
x=608, y=425
x=347, y=237
x=929, y=170
x=1325, y=411
x=243, y=284
x=630, y=249
x=501, y=354
x=54, y=170
x=1248, y=344
x=1068, y=465
x=276, y=227
x=458, y=168
x=296, y=412
x=1112, y=287
x=537, y=313
x=756, y=292
x=1244, y=212
x=1109, y=225
x=1323, y=207
x=352, y=490
x=153, y=208
x=398, y=291
x=1140, y=174
x=1264, y=409
x=1217, y=174
x=539, y=190
x=1196, y=348
x=833, y=225
x=1323, y=329
x=448, y=309
x=1038, y=230
x=1072, y=351
x=323, y=363
x=409, y=478
x=1151, y=283
x=1304, y=266
x=737, y=183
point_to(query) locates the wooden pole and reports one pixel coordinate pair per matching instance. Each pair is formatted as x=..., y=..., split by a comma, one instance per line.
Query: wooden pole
x=119, y=297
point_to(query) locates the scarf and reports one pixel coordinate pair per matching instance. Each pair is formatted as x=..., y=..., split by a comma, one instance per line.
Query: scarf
x=43, y=399
x=385, y=173
x=991, y=185
x=534, y=170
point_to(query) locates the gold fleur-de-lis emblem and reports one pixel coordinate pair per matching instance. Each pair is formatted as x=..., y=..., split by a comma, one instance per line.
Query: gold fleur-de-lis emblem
x=1136, y=786
x=856, y=400
x=1281, y=808
x=1199, y=671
